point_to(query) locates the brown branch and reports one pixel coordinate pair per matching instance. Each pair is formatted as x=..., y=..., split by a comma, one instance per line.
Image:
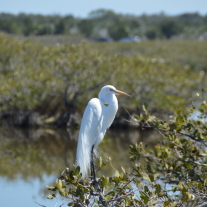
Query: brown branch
x=193, y=137
x=119, y=198
x=124, y=187
x=194, y=162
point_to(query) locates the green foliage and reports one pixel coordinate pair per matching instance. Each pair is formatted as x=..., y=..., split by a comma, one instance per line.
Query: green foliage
x=86, y=27
x=186, y=53
x=28, y=26
x=60, y=27
x=27, y=68
x=152, y=33
x=44, y=29
x=173, y=173
x=118, y=31
x=7, y=26
x=187, y=25
x=169, y=28
x=104, y=192
x=51, y=68
x=179, y=160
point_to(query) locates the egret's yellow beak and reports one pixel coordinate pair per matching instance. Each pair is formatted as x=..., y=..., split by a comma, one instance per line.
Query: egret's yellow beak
x=121, y=92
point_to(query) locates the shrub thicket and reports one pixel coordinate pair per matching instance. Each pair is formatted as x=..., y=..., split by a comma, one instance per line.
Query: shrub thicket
x=31, y=73
x=171, y=174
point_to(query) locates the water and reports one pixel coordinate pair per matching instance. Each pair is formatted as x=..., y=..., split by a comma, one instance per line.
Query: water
x=33, y=158
x=19, y=192
x=197, y=115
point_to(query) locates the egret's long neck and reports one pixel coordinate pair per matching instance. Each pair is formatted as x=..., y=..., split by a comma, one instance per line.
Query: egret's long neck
x=109, y=106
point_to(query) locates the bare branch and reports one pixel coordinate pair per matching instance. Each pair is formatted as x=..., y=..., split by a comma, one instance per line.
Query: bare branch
x=39, y=204
x=119, y=198
x=193, y=137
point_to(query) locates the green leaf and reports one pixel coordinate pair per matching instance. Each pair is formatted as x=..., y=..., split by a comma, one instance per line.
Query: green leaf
x=146, y=177
x=180, y=119
x=146, y=189
x=180, y=185
x=166, y=203
x=101, y=163
x=59, y=183
x=51, y=196
x=144, y=197
x=63, y=192
x=151, y=176
x=53, y=188
x=77, y=170
x=76, y=205
x=71, y=175
x=124, y=170
x=104, y=181
x=87, y=202
x=158, y=188
x=111, y=193
x=79, y=192
x=145, y=106
x=117, y=173
x=200, y=186
x=110, y=186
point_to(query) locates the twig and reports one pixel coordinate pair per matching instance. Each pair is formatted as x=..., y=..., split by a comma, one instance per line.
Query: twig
x=119, y=198
x=103, y=201
x=126, y=185
x=200, y=164
x=39, y=204
x=193, y=137
x=62, y=204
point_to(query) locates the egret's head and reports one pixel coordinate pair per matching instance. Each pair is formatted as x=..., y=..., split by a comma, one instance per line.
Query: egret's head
x=106, y=90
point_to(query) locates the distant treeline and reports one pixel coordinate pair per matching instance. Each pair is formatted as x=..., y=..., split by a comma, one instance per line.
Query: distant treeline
x=106, y=23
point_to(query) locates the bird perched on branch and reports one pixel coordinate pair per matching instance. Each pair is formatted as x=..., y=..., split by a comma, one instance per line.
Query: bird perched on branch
x=97, y=118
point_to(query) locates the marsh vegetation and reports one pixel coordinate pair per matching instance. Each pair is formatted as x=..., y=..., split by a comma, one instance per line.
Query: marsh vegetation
x=48, y=85
x=43, y=85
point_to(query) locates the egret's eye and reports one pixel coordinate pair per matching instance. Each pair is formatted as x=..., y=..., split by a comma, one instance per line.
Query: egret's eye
x=111, y=89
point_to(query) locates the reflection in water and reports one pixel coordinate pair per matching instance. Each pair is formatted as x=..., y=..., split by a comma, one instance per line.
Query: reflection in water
x=34, y=152
x=31, y=153
x=45, y=151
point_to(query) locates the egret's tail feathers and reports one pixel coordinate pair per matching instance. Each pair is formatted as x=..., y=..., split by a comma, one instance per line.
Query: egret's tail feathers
x=83, y=157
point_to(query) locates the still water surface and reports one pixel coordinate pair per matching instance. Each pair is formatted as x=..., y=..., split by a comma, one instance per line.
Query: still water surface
x=33, y=158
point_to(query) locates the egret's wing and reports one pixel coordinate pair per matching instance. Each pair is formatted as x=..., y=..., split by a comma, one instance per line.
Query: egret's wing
x=92, y=122
x=90, y=134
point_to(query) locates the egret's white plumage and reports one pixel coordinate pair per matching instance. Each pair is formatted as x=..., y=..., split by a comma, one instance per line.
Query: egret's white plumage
x=97, y=118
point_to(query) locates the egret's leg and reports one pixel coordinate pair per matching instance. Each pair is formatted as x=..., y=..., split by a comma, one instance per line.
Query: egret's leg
x=93, y=174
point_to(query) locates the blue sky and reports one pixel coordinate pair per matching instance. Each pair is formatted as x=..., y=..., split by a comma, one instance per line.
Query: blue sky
x=81, y=8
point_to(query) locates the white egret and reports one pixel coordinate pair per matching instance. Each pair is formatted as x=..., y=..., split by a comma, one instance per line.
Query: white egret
x=97, y=118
